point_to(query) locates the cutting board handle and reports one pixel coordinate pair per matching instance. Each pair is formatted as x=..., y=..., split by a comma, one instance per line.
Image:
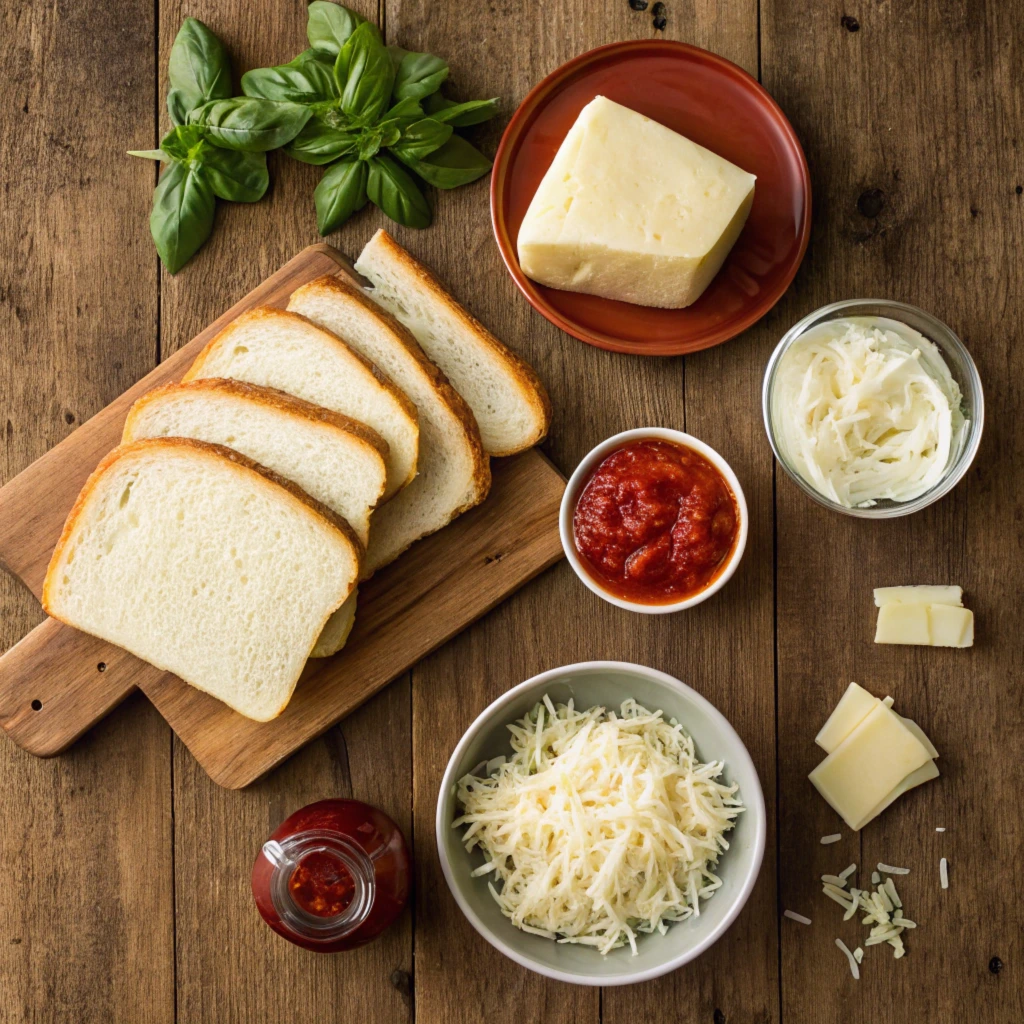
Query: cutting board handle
x=58, y=682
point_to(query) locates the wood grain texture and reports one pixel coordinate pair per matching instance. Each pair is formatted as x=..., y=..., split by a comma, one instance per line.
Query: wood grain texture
x=86, y=915
x=916, y=177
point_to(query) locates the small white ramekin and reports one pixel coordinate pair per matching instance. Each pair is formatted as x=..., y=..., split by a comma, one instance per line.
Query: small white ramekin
x=582, y=474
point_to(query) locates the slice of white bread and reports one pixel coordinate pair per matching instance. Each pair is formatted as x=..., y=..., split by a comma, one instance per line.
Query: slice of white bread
x=333, y=458
x=454, y=473
x=277, y=349
x=507, y=397
x=199, y=561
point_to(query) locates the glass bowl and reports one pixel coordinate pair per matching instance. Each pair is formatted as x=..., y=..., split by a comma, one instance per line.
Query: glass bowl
x=960, y=364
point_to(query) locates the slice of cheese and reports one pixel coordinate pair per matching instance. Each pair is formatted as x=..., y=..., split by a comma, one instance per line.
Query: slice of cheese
x=631, y=210
x=853, y=707
x=903, y=624
x=951, y=627
x=869, y=765
x=925, y=773
x=929, y=625
x=919, y=595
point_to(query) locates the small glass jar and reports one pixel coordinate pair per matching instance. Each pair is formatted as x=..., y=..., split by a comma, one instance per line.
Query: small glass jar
x=332, y=876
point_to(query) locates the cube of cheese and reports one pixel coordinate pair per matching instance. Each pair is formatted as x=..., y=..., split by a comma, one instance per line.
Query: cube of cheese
x=862, y=772
x=631, y=210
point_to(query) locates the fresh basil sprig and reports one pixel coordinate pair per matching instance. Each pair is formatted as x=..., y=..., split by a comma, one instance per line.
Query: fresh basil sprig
x=217, y=147
x=376, y=119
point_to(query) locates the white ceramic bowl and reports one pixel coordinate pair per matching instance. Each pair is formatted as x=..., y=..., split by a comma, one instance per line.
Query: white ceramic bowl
x=606, y=683
x=590, y=463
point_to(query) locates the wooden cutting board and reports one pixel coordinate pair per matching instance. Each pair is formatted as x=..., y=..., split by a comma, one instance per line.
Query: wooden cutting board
x=57, y=682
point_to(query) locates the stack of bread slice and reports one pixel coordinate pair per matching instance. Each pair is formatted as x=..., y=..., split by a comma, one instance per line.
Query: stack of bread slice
x=304, y=450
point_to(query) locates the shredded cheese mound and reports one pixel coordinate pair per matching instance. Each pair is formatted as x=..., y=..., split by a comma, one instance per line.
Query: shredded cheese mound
x=601, y=826
x=866, y=409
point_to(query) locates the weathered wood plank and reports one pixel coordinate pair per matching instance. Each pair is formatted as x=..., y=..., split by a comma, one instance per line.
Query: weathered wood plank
x=86, y=921
x=231, y=967
x=910, y=125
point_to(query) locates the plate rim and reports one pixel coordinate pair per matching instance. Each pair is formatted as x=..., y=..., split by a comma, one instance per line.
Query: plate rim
x=512, y=133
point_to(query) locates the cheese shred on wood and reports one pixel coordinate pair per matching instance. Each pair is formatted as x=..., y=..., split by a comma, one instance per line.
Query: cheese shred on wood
x=602, y=825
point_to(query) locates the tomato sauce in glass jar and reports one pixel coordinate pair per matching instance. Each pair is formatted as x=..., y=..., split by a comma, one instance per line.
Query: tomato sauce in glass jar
x=655, y=522
x=333, y=876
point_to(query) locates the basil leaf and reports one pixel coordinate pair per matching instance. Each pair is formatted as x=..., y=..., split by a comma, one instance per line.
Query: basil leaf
x=419, y=75
x=460, y=115
x=182, y=216
x=319, y=143
x=365, y=74
x=149, y=154
x=390, y=133
x=198, y=69
x=177, y=106
x=455, y=163
x=404, y=112
x=238, y=177
x=422, y=138
x=395, y=192
x=342, y=191
x=330, y=25
x=251, y=125
x=307, y=82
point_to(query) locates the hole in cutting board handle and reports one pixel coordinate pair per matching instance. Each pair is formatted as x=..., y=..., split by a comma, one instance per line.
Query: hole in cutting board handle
x=37, y=705
x=101, y=667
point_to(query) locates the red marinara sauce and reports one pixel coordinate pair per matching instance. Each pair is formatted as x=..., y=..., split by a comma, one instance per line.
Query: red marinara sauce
x=333, y=876
x=655, y=522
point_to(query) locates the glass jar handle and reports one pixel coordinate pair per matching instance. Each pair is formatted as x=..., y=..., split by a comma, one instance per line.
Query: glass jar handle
x=274, y=852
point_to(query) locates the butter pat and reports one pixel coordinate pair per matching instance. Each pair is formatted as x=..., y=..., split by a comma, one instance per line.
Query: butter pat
x=863, y=772
x=631, y=210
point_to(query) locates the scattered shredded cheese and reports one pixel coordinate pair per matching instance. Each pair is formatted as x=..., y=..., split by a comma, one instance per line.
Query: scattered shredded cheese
x=601, y=825
x=944, y=873
x=866, y=409
x=858, y=955
x=834, y=838
x=846, y=872
x=940, y=830
x=793, y=916
x=854, y=968
x=883, y=909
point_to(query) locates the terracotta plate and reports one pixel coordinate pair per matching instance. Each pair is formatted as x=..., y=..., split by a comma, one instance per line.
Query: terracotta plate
x=714, y=103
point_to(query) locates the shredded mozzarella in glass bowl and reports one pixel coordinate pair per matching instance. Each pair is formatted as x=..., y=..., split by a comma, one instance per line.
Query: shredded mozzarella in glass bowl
x=865, y=409
x=601, y=825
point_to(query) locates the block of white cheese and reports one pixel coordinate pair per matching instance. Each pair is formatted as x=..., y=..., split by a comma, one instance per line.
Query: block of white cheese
x=927, y=625
x=631, y=210
x=863, y=772
x=853, y=707
x=919, y=595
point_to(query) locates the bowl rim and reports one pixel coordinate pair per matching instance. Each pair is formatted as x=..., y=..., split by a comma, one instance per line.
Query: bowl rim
x=588, y=463
x=834, y=310
x=513, y=131
x=752, y=801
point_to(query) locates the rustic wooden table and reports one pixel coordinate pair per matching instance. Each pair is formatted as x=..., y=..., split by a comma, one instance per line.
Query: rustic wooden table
x=125, y=868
